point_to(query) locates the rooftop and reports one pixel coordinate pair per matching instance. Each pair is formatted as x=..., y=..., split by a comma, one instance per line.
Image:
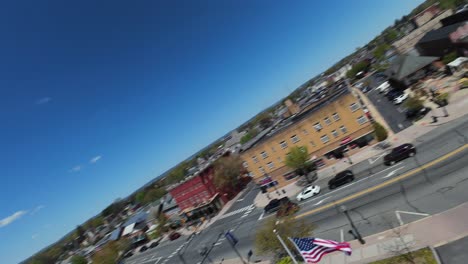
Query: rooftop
x=331, y=95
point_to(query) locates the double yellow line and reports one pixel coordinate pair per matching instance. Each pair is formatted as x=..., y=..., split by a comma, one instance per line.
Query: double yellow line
x=382, y=185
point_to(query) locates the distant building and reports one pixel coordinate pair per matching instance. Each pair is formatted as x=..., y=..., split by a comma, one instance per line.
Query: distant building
x=407, y=43
x=197, y=196
x=233, y=141
x=329, y=127
x=136, y=225
x=406, y=70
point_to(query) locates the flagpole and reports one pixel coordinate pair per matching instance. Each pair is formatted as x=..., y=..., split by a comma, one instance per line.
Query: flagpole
x=285, y=247
x=298, y=250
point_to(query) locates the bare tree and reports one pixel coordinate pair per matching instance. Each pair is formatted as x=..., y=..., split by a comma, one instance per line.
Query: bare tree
x=401, y=246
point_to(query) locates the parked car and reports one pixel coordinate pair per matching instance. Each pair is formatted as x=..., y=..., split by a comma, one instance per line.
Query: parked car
x=366, y=89
x=308, y=192
x=275, y=204
x=154, y=244
x=399, y=153
x=416, y=113
x=143, y=248
x=399, y=99
x=286, y=209
x=382, y=87
x=174, y=236
x=340, y=179
x=392, y=94
x=128, y=254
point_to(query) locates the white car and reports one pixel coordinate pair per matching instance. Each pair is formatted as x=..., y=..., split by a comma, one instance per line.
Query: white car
x=384, y=86
x=400, y=98
x=308, y=192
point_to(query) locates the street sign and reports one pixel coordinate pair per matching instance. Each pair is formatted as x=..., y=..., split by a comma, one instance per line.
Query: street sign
x=231, y=238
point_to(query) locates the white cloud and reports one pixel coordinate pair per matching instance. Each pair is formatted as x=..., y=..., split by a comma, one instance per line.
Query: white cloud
x=95, y=159
x=10, y=219
x=43, y=100
x=37, y=209
x=75, y=169
x=35, y=236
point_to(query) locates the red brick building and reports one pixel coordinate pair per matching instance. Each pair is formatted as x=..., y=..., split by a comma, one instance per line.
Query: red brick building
x=197, y=196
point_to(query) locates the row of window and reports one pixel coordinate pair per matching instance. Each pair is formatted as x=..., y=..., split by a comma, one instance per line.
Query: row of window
x=197, y=198
x=324, y=138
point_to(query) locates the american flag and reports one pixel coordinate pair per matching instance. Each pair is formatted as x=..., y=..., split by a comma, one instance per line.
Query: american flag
x=313, y=249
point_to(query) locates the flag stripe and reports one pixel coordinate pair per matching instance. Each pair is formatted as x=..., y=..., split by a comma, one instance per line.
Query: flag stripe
x=313, y=249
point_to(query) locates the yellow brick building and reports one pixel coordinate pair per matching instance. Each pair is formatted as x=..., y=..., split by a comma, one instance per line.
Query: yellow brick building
x=335, y=124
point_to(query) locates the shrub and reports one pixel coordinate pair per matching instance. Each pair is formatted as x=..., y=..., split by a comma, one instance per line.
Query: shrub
x=380, y=132
x=413, y=103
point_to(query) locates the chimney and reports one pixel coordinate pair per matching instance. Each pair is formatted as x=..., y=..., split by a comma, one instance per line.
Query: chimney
x=292, y=107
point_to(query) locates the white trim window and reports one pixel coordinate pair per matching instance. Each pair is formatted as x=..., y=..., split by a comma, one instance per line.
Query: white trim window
x=318, y=126
x=361, y=120
x=354, y=107
x=283, y=144
x=264, y=154
x=334, y=133
x=305, y=132
x=261, y=169
x=336, y=117
x=343, y=129
x=254, y=158
x=295, y=139
x=327, y=121
x=245, y=164
x=324, y=138
x=271, y=165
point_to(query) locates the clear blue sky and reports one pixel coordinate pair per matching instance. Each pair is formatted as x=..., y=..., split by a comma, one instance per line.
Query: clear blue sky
x=99, y=97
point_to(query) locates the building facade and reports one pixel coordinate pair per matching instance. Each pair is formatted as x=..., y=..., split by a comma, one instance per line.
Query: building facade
x=197, y=196
x=407, y=43
x=327, y=128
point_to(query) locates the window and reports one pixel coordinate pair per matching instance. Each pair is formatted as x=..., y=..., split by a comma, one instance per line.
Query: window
x=245, y=164
x=336, y=117
x=324, y=138
x=305, y=132
x=283, y=144
x=271, y=165
x=264, y=154
x=361, y=120
x=327, y=120
x=334, y=133
x=343, y=129
x=290, y=176
x=254, y=158
x=261, y=169
x=251, y=174
x=318, y=126
x=295, y=139
x=312, y=143
x=354, y=107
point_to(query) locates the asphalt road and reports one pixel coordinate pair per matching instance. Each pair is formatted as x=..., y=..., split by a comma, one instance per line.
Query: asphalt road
x=393, y=114
x=427, y=191
x=454, y=252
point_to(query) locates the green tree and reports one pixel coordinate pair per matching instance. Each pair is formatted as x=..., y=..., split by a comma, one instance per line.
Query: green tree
x=139, y=197
x=449, y=57
x=178, y=173
x=380, y=132
x=110, y=252
x=263, y=119
x=153, y=194
x=391, y=35
x=413, y=103
x=267, y=242
x=360, y=66
x=379, y=52
x=78, y=260
x=227, y=171
x=247, y=137
x=298, y=159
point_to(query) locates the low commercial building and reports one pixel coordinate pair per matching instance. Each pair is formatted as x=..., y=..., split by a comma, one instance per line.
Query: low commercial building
x=197, y=196
x=329, y=127
x=406, y=70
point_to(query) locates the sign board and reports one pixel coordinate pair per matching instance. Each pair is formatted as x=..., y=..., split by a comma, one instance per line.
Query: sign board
x=231, y=238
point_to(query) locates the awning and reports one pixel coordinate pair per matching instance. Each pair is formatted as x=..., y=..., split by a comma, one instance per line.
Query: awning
x=346, y=140
x=457, y=62
x=187, y=210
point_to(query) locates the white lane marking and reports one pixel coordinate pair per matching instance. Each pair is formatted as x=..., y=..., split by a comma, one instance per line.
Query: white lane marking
x=342, y=235
x=371, y=161
x=321, y=201
x=393, y=172
x=250, y=207
x=261, y=216
x=157, y=261
x=405, y=212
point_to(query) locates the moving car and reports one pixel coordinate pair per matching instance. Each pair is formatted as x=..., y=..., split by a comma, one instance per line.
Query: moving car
x=400, y=153
x=174, y=236
x=416, y=113
x=308, y=192
x=274, y=205
x=399, y=99
x=340, y=179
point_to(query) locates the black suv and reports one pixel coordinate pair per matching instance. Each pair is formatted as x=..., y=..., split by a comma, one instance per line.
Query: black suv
x=417, y=113
x=400, y=153
x=340, y=179
x=275, y=204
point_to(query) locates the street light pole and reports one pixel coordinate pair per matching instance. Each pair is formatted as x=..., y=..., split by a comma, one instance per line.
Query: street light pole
x=354, y=230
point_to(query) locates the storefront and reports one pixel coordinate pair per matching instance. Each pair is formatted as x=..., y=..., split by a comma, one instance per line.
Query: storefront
x=199, y=212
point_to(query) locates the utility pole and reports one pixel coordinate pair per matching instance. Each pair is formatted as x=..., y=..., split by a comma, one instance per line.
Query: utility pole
x=284, y=246
x=180, y=253
x=205, y=252
x=354, y=231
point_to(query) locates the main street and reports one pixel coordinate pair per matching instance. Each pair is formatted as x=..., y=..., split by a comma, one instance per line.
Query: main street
x=381, y=197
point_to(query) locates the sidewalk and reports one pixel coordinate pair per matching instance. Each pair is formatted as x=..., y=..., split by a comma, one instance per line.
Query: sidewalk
x=456, y=108
x=431, y=231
